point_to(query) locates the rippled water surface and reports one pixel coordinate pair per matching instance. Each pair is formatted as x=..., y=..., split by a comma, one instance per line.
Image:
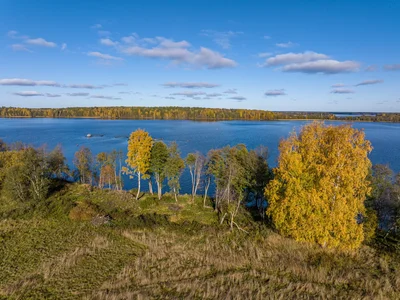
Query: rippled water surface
x=190, y=136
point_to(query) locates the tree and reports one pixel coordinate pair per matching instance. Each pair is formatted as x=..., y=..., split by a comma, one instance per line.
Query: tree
x=173, y=169
x=158, y=161
x=139, y=151
x=232, y=177
x=195, y=162
x=385, y=196
x=320, y=185
x=83, y=161
x=101, y=159
x=26, y=174
x=3, y=146
x=259, y=177
x=57, y=163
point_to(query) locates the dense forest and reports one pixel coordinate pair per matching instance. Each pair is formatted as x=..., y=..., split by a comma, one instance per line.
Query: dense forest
x=185, y=113
x=323, y=212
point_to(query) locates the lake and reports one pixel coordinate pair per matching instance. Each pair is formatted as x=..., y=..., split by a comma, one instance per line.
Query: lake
x=190, y=136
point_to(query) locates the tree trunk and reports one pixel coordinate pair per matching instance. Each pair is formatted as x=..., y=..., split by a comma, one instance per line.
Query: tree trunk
x=115, y=176
x=176, y=199
x=206, y=191
x=192, y=177
x=159, y=187
x=138, y=190
x=100, y=181
x=150, y=186
x=120, y=174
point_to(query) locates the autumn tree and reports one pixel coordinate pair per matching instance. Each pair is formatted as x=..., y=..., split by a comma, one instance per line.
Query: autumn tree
x=158, y=162
x=139, y=152
x=83, y=161
x=195, y=162
x=173, y=169
x=320, y=185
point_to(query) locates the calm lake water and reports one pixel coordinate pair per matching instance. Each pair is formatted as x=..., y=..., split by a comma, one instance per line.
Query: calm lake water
x=190, y=136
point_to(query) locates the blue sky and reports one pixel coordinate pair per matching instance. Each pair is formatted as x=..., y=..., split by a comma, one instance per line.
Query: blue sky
x=273, y=55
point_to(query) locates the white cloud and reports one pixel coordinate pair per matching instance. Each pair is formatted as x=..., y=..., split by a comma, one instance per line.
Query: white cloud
x=103, y=56
x=369, y=82
x=311, y=62
x=83, y=86
x=394, y=67
x=266, y=37
x=52, y=95
x=289, y=58
x=36, y=94
x=342, y=91
x=238, y=98
x=63, y=46
x=27, y=82
x=96, y=26
x=178, y=53
x=323, y=66
x=108, y=42
x=30, y=41
x=105, y=97
x=286, y=45
x=190, y=85
x=371, y=68
x=28, y=94
x=41, y=42
x=19, y=47
x=336, y=85
x=274, y=93
x=221, y=38
x=189, y=94
x=230, y=91
x=213, y=95
x=265, y=54
x=12, y=34
x=78, y=94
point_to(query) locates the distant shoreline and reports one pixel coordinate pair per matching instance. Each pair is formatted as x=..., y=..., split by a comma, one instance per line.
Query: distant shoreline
x=198, y=119
x=199, y=114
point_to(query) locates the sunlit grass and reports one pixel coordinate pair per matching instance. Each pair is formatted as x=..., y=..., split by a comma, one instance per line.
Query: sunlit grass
x=163, y=249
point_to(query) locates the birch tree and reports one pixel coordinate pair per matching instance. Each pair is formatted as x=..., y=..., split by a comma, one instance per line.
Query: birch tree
x=139, y=151
x=320, y=185
x=158, y=162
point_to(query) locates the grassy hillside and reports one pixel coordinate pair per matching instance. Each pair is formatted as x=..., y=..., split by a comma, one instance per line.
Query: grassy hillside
x=65, y=249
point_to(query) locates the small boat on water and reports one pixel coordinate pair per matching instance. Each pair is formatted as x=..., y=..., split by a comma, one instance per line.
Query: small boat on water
x=89, y=135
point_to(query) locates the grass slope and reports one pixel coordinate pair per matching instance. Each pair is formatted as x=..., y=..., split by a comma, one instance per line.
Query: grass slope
x=162, y=249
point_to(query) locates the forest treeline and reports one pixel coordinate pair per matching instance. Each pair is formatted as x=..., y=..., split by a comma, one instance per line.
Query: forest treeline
x=184, y=113
x=324, y=189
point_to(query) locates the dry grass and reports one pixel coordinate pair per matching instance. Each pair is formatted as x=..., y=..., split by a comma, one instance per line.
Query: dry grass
x=219, y=266
x=159, y=250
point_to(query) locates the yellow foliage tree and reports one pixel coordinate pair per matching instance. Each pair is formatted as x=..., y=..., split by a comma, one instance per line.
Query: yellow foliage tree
x=320, y=185
x=139, y=151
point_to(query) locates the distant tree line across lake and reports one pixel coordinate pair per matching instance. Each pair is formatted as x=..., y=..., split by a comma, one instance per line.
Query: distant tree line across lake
x=186, y=113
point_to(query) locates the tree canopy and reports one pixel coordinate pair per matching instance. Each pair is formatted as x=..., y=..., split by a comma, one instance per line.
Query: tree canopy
x=320, y=185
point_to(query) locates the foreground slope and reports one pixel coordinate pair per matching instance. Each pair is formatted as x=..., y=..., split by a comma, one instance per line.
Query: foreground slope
x=167, y=250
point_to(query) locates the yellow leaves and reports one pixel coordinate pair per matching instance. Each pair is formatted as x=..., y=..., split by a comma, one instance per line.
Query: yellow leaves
x=320, y=185
x=139, y=150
